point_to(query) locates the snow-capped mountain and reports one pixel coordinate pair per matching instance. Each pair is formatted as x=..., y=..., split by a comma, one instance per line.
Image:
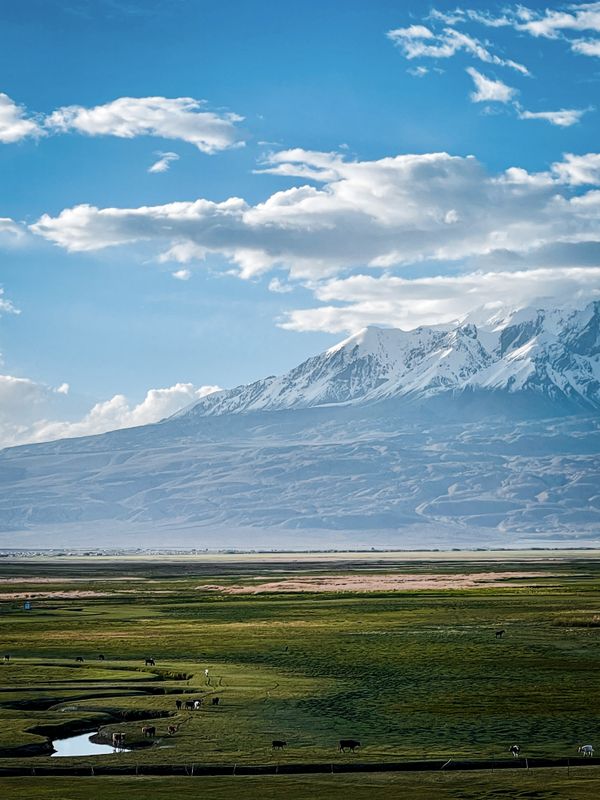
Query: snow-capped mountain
x=379, y=441
x=553, y=355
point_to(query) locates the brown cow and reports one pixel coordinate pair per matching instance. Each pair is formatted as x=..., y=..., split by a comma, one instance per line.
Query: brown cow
x=172, y=729
x=149, y=731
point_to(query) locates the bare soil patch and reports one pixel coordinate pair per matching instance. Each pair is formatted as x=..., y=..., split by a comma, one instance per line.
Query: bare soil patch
x=373, y=583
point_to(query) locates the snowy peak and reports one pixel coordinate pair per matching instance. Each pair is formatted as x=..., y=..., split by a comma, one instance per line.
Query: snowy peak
x=553, y=354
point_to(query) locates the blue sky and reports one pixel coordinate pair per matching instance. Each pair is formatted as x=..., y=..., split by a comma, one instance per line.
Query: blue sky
x=117, y=303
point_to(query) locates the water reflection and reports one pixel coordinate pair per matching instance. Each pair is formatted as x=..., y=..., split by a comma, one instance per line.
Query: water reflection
x=80, y=745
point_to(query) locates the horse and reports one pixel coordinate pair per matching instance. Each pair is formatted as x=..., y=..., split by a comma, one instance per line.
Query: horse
x=178, y=705
x=348, y=744
x=586, y=750
x=215, y=701
x=118, y=740
x=500, y=634
x=79, y=659
x=515, y=750
x=278, y=744
x=150, y=662
x=149, y=731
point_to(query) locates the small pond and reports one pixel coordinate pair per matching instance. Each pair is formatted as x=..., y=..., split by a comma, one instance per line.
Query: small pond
x=81, y=745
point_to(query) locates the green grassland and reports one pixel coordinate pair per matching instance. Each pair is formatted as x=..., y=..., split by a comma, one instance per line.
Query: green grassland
x=412, y=674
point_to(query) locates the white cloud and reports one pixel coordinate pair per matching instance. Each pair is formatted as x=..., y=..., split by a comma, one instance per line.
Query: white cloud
x=407, y=303
x=418, y=41
x=550, y=23
x=488, y=90
x=14, y=122
x=6, y=306
x=586, y=47
x=563, y=118
x=179, y=118
x=164, y=162
x=418, y=72
x=279, y=287
x=24, y=402
x=388, y=212
x=182, y=274
x=578, y=170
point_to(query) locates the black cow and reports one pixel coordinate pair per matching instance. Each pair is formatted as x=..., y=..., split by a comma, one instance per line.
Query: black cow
x=79, y=659
x=500, y=634
x=215, y=701
x=515, y=750
x=178, y=705
x=278, y=744
x=348, y=744
x=100, y=657
x=150, y=662
x=189, y=705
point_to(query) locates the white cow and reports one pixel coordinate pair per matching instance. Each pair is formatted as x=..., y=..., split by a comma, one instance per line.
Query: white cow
x=197, y=704
x=586, y=750
x=515, y=750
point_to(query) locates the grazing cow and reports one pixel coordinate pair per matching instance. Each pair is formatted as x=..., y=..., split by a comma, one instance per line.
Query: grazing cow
x=150, y=662
x=348, y=744
x=178, y=705
x=189, y=705
x=586, y=750
x=172, y=729
x=100, y=657
x=215, y=701
x=278, y=744
x=79, y=659
x=6, y=658
x=515, y=750
x=206, y=673
x=118, y=740
x=149, y=731
x=500, y=634
x=197, y=705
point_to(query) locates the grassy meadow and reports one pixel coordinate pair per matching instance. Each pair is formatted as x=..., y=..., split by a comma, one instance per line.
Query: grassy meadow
x=411, y=674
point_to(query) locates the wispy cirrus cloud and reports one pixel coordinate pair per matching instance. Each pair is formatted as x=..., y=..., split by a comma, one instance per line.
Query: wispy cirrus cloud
x=163, y=163
x=563, y=118
x=488, y=90
x=419, y=41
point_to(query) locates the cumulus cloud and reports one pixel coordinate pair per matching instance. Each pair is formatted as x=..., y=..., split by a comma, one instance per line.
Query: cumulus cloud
x=23, y=403
x=563, y=118
x=488, y=90
x=182, y=274
x=164, y=162
x=579, y=170
x=182, y=118
x=393, y=211
x=407, y=303
x=15, y=123
x=178, y=118
x=419, y=41
x=279, y=287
